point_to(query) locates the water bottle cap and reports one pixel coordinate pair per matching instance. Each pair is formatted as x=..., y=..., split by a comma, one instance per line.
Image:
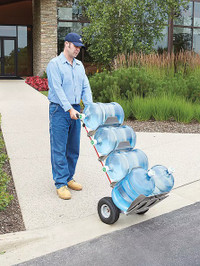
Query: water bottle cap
x=82, y=116
x=170, y=170
x=151, y=173
x=105, y=168
x=94, y=141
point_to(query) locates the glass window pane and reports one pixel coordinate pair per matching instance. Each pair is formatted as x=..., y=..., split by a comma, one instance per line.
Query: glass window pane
x=184, y=17
x=24, y=51
x=22, y=36
x=9, y=57
x=9, y=31
x=182, y=39
x=196, y=41
x=69, y=10
x=65, y=13
x=0, y=58
x=162, y=44
x=196, y=14
x=66, y=27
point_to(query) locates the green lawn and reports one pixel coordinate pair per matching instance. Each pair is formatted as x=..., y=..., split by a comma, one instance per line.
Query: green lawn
x=45, y=93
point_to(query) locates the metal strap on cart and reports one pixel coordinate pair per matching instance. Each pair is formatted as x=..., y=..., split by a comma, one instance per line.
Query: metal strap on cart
x=110, y=121
x=142, y=203
x=122, y=146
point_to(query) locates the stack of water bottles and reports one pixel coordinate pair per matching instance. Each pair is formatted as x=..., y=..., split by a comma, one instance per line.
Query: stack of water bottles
x=126, y=166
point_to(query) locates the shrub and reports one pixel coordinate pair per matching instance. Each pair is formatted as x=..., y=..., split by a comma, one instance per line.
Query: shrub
x=5, y=197
x=145, y=82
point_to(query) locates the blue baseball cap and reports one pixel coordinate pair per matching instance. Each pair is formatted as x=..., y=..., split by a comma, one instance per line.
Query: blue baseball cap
x=74, y=38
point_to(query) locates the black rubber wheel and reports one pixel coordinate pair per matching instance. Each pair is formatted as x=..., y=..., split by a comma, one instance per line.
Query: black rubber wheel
x=108, y=212
x=140, y=213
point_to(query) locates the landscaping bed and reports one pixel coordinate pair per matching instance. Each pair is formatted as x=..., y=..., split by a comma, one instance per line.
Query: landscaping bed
x=163, y=126
x=11, y=218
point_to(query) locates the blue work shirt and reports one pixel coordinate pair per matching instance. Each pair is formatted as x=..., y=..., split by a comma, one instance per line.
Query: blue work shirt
x=68, y=84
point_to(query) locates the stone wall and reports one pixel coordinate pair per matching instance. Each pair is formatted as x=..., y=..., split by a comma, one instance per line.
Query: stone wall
x=44, y=34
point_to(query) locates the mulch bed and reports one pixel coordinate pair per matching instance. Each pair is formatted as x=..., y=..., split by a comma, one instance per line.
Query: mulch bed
x=163, y=126
x=11, y=219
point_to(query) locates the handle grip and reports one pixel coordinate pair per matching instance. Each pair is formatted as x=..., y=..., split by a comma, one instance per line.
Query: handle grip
x=80, y=116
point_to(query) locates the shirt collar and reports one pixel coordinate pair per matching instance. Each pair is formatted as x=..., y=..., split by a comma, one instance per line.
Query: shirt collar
x=64, y=60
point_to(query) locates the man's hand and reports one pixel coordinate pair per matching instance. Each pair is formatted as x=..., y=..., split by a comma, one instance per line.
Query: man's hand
x=73, y=113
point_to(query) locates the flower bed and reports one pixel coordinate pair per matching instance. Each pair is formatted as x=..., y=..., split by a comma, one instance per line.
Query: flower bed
x=40, y=84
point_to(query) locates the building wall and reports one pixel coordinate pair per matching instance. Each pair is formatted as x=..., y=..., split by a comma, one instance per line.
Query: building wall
x=19, y=13
x=44, y=34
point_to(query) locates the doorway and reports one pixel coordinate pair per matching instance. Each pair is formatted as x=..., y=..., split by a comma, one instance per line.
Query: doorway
x=8, y=56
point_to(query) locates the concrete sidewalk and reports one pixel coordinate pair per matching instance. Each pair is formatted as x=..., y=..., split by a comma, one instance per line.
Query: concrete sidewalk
x=48, y=219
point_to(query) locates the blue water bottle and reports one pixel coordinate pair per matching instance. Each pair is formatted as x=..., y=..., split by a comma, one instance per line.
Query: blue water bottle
x=95, y=114
x=164, y=180
x=137, y=182
x=106, y=139
x=137, y=158
x=119, y=163
x=113, y=109
x=116, y=166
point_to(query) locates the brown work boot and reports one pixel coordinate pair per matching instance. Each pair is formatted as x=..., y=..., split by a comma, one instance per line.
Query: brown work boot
x=64, y=193
x=74, y=185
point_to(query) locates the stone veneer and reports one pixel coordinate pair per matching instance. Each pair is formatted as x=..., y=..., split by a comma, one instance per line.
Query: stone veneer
x=44, y=34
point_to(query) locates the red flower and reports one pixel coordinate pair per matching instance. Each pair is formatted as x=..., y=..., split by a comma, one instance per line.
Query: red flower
x=38, y=83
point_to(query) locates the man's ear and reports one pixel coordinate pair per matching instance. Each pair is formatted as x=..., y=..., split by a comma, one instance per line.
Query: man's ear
x=67, y=44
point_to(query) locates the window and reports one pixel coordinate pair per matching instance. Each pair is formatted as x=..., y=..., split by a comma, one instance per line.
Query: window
x=24, y=51
x=186, y=28
x=196, y=14
x=184, y=16
x=16, y=42
x=70, y=19
x=182, y=39
x=8, y=31
x=196, y=41
x=162, y=44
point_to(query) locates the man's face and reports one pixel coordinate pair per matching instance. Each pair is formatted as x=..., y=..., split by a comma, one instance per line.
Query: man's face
x=71, y=49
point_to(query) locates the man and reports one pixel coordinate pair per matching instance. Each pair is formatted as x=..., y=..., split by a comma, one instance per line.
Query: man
x=68, y=84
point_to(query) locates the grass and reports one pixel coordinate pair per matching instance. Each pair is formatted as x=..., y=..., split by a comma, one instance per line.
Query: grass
x=164, y=108
x=5, y=197
x=44, y=92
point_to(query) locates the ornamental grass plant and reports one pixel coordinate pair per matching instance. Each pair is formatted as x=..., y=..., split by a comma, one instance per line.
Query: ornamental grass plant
x=183, y=62
x=197, y=113
x=164, y=108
